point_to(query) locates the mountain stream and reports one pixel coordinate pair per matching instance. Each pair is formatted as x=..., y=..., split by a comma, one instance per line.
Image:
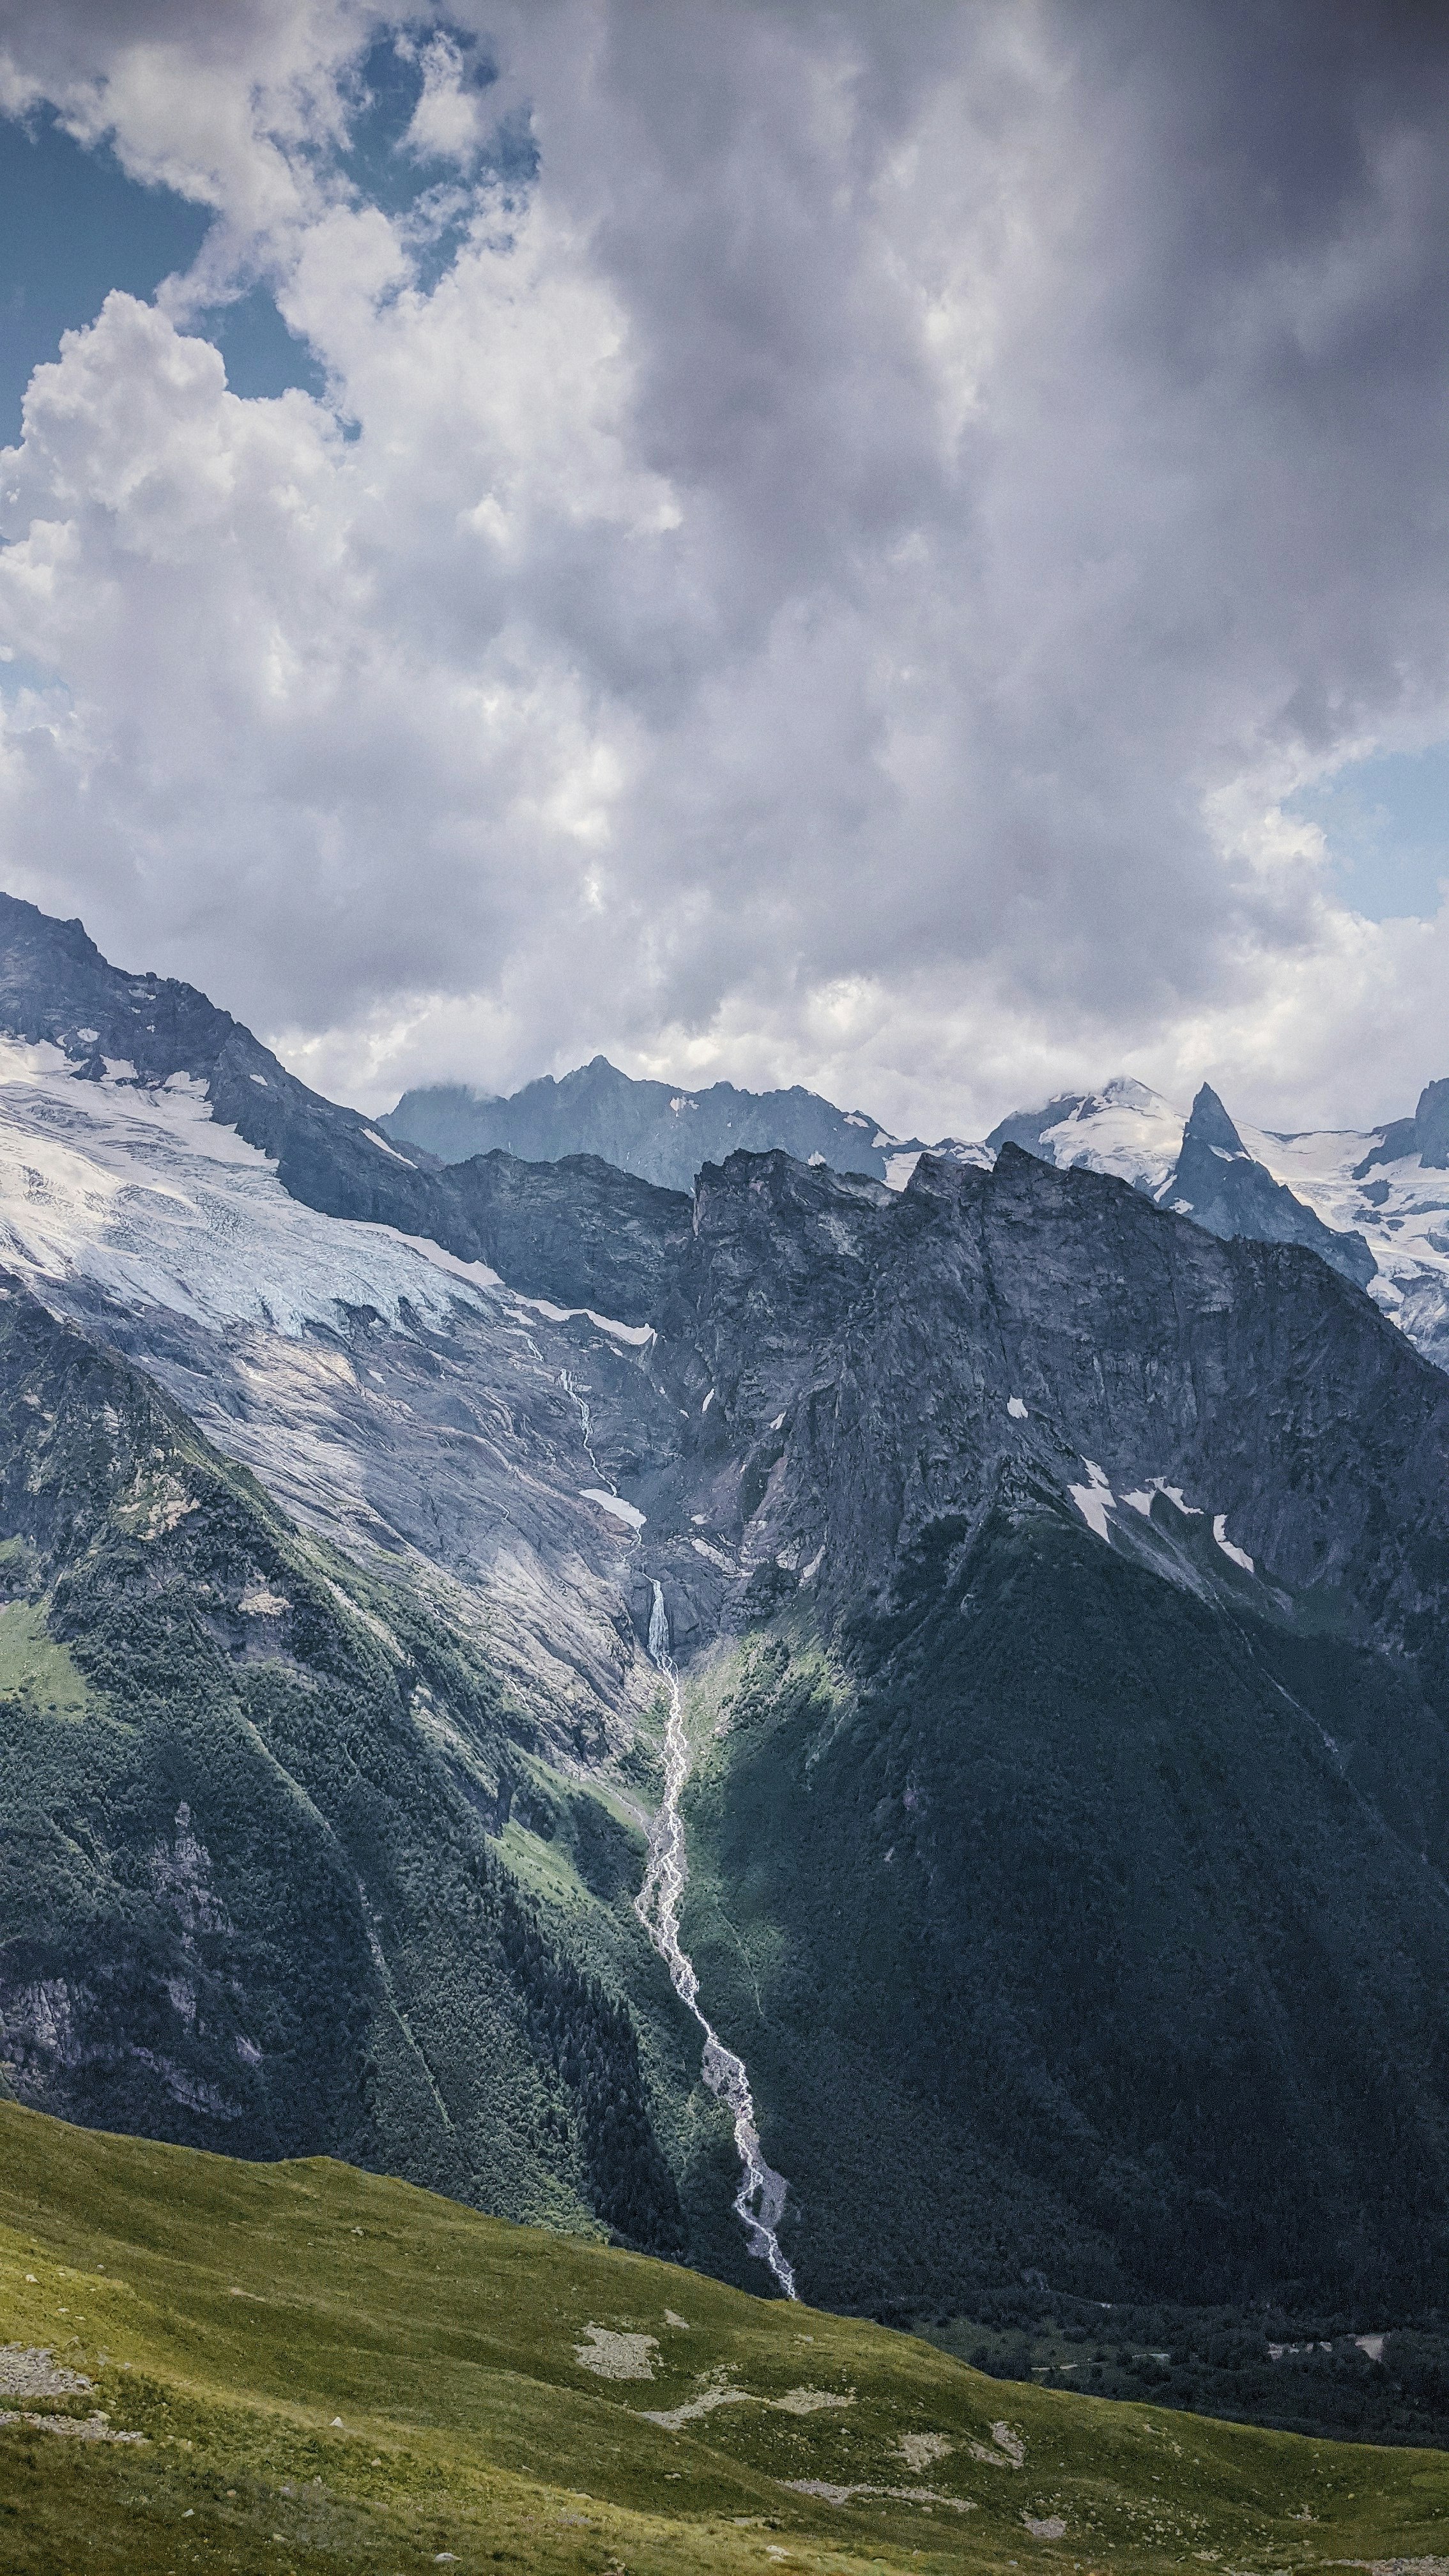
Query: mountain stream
x=760, y=2200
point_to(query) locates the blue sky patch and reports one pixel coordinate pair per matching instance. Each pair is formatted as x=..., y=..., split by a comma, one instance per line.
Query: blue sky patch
x=430, y=197
x=72, y=226
x=1386, y=822
x=262, y=356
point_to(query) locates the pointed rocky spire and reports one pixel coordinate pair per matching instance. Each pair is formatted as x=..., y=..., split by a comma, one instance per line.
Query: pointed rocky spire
x=1210, y=1124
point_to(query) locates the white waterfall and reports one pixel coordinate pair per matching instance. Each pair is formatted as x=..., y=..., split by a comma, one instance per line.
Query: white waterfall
x=586, y=1425
x=760, y=2200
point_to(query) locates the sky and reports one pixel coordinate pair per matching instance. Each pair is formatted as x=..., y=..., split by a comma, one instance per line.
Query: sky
x=900, y=549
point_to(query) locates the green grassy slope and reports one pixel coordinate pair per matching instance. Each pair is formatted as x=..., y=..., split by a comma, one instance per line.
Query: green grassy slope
x=338, y=2372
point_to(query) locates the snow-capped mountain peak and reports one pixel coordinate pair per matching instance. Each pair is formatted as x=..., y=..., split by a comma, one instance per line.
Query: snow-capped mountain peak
x=1125, y=1129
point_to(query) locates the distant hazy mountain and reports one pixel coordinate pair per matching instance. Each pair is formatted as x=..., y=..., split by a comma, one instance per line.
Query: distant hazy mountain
x=657, y=1129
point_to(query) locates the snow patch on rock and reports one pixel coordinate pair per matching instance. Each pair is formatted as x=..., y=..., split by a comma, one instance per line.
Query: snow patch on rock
x=1239, y=1555
x=1094, y=1500
x=614, y=1505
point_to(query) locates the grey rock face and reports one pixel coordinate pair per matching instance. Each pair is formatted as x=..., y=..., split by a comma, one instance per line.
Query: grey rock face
x=1384, y=1189
x=1210, y=1177
x=1032, y=1326
x=1426, y=1134
x=1130, y=1543
x=596, y=1238
x=759, y=1291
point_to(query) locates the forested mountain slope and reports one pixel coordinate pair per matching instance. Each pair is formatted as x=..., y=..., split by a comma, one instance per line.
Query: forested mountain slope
x=248, y=1893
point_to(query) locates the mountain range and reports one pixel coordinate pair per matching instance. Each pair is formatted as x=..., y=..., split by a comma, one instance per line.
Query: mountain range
x=1370, y=1203
x=876, y=1740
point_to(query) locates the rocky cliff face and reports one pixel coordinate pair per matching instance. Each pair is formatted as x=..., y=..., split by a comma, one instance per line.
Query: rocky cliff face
x=1058, y=1324
x=1369, y=1205
x=1423, y=1139
x=1126, y=1547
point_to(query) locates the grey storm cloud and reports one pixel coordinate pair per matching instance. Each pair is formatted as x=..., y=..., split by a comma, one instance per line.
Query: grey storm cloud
x=831, y=578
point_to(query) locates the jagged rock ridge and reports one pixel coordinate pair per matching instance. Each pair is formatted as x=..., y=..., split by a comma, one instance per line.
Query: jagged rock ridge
x=1218, y=1184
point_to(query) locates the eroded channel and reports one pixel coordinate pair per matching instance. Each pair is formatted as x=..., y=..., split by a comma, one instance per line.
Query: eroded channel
x=760, y=2200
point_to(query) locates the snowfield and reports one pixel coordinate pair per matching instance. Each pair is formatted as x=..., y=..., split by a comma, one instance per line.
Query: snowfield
x=144, y=1195
x=391, y=1396
x=1126, y=1130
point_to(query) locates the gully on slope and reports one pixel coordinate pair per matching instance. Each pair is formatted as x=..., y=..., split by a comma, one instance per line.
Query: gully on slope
x=760, y=2200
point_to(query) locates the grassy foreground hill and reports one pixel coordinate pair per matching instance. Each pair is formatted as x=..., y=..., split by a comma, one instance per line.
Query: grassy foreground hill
x=331, y=2371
